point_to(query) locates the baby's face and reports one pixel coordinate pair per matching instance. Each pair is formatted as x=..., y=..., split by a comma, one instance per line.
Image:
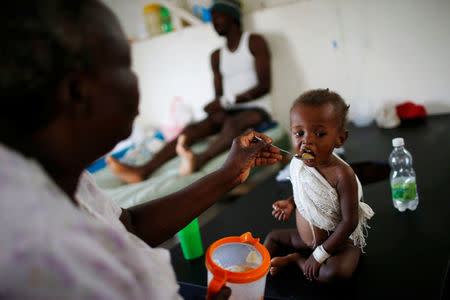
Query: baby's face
x=316, y=130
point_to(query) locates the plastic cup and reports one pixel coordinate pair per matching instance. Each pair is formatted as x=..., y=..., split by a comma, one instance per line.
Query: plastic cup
x=191, y=240
x=239, y=262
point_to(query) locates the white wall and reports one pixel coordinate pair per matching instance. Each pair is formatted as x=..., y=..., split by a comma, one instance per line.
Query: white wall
x=174, y=65
x=385, y=51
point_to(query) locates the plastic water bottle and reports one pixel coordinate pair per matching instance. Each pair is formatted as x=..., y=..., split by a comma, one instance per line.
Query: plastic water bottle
x=403, y=177
x=166, y=24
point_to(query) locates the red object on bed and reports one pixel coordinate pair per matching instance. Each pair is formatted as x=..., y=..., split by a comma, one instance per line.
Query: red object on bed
x=408, y=110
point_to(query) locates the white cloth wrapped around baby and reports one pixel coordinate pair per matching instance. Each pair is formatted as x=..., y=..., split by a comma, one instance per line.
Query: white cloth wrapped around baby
x=317, y=201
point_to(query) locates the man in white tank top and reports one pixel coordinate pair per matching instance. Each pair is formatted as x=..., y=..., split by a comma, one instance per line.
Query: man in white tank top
x=242, y=79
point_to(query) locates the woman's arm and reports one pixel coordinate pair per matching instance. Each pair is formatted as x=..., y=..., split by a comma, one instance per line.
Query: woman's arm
x=160, y=219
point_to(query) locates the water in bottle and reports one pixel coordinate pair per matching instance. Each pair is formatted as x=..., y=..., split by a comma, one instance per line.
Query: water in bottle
x=403, y=177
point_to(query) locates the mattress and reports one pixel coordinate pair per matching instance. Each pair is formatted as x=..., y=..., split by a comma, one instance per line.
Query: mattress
x=166, y=180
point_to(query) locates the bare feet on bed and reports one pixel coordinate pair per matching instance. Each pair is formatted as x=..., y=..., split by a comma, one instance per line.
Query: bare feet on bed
x=187, y=157
x=125, y=173
x=279, y=263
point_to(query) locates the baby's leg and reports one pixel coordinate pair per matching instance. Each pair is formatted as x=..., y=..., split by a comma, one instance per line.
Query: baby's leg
x=282, y=239
x=341, y=265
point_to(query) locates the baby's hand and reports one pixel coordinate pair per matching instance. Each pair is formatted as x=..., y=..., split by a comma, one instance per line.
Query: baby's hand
x=283, y=209
x=311, y=268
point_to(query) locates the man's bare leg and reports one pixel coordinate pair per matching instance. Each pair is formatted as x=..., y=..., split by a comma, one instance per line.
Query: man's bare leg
x=187, y=157
x=233, y=126
x=126, y=173
x=131, y=174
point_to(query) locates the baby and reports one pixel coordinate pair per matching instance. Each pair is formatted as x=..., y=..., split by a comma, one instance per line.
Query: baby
x=330, y=216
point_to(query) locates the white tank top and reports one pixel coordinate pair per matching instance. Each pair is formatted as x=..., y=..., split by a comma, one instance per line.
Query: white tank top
x=239, y=75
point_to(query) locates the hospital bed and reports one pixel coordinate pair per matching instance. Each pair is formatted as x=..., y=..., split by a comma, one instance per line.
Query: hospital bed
x=166, y=180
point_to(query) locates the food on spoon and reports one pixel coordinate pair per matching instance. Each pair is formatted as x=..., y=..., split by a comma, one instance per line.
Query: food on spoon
x=307, y=155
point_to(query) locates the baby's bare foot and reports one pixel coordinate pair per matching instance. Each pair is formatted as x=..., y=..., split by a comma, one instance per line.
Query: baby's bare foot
x=187, y=157
x=279, y=263
x=125, y=173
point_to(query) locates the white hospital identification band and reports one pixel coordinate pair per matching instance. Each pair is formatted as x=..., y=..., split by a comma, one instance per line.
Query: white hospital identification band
x=320, y=255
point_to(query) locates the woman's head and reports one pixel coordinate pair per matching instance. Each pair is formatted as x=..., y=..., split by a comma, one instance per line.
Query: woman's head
x=65, y=76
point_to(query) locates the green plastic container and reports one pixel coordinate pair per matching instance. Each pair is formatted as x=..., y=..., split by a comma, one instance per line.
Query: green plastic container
x=191, y=240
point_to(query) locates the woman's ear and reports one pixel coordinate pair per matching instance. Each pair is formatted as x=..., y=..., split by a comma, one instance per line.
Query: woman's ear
x=73, y=96
x=341, y=138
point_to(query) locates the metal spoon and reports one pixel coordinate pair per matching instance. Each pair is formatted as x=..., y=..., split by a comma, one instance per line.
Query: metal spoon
x=285, y=151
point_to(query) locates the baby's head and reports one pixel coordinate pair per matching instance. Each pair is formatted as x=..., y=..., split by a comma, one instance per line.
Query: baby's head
x=318, y=119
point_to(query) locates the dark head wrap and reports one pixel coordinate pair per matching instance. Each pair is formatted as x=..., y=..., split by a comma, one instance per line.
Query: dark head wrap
x=229, y=7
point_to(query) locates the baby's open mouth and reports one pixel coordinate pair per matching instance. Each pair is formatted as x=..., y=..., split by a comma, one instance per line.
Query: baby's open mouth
x=308, y=154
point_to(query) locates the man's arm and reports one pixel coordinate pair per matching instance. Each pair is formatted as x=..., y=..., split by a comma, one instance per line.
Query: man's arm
x=215, y=60
x=159, y=219
x=260, y=50
x=215, y=106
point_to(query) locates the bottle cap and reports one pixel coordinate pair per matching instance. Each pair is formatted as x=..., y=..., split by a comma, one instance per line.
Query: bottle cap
x=397, y=142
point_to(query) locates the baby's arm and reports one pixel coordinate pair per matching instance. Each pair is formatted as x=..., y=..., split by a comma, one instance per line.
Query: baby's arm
x=347, y=189
x=282, y=210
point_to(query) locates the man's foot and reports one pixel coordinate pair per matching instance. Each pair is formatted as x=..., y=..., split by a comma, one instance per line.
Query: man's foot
x=279, y=263
x=187, y=157
x=125, y=173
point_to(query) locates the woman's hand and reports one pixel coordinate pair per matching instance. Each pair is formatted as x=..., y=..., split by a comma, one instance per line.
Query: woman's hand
x=282, y=210
x=223, y=294
x=248, y=152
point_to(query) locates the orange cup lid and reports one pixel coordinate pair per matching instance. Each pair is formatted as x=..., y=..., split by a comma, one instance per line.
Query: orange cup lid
x=239, y=277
